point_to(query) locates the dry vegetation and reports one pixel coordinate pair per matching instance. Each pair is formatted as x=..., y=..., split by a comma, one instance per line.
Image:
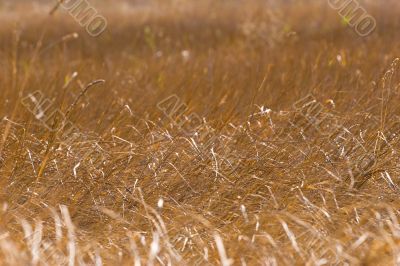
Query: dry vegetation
x=130, y=186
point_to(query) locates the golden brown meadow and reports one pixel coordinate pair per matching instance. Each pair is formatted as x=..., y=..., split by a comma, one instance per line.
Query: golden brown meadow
x=133, y=188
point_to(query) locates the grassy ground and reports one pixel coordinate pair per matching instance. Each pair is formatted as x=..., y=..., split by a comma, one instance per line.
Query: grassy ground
x=200, y=133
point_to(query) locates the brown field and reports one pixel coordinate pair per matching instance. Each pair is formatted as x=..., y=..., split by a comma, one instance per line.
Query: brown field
x=199, y=133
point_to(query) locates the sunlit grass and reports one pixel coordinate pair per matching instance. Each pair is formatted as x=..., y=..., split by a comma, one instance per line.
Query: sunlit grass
x=252, y=184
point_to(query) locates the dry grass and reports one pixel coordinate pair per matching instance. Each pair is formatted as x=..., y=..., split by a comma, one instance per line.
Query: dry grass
x=130, y=187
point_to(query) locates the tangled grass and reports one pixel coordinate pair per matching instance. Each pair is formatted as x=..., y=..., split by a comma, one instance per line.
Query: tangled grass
x=258, y=181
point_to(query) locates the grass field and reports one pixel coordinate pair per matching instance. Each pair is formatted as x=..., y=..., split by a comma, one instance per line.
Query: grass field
x=205, y=132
